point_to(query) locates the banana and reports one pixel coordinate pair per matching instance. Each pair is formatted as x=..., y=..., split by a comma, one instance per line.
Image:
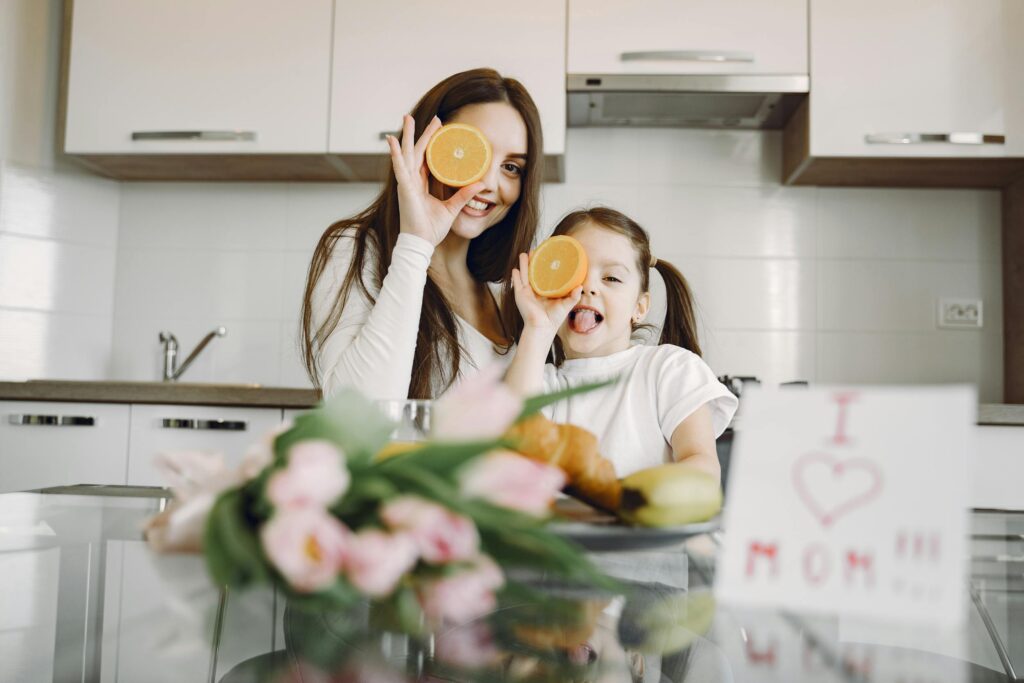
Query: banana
x=663, y=623
x=669, y=495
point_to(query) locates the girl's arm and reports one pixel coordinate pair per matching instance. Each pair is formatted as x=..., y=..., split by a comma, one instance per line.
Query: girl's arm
x=693, y=442
x=541, y=320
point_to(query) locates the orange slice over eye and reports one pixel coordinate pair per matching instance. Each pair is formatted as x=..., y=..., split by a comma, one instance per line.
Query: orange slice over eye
x=557, y=266
x=458, y=155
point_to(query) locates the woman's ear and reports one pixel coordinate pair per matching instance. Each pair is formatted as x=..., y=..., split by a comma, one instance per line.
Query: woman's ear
x=643, y=304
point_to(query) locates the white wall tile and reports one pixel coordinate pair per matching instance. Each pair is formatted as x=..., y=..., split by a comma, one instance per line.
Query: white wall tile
x=46, y=275
x=312, y=207
x=751, y=294
x=956, y=356
x=962, y=225
x=35, y=344
x=212, y=285
x=293, y=279
x=204, y=216
x=885, y=295
x=293, y=372
x=69, y=206
x=652, y=156
x=773, y=357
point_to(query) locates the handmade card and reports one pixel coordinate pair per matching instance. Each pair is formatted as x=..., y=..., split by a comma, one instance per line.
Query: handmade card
x=850, y=501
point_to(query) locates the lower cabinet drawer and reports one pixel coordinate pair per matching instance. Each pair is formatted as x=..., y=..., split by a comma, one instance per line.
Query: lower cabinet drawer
x=167, y=428
x=57, y=444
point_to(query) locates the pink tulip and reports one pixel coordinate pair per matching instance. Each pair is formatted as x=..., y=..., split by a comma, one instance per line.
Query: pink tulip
x=376, y=561
x=512, y=481
x=464, y=596
x=315, y=475
x=307, y=545
x=469, y=646
x=261, y=453
x=440, y=534
x=479, y=407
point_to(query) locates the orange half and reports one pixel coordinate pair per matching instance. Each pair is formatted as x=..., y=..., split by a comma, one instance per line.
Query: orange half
x=458, y=155
x=557, y=266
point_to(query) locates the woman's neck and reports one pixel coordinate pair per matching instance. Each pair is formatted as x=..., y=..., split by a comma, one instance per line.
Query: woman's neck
x=448, y=264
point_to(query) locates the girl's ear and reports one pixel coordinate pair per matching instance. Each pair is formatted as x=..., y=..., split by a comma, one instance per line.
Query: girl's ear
x=643, y=304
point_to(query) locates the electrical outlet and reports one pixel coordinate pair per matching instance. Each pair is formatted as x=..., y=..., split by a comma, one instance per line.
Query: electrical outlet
x=960, y=314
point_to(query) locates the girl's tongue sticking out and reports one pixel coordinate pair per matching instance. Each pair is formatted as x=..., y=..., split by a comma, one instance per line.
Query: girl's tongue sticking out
x=583, y=320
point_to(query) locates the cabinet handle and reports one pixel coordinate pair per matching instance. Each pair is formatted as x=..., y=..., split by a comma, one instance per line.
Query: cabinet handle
x=718, y=56
x=211, y=135
x=54, y=420
x=945, y=138
x=216, y=425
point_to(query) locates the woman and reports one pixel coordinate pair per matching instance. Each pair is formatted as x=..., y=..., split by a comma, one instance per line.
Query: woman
x=397, y=301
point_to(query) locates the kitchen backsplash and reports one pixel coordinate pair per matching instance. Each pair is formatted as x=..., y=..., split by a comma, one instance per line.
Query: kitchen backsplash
x=827, y=285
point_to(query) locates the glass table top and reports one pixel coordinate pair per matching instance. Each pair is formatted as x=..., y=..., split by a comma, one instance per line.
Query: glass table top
x=84, y=599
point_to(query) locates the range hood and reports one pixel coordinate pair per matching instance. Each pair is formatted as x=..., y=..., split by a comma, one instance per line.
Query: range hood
x=683, y=101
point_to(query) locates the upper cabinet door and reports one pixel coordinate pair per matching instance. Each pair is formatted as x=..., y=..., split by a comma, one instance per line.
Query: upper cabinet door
x=688, y=37
x=246, y=76
x=911, y=78
x=388, y=53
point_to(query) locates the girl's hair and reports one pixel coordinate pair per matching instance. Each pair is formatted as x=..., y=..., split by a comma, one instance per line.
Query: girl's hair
x=680, y=327
x=492, y=255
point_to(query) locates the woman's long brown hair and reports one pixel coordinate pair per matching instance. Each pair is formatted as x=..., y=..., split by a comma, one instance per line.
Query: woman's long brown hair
x=680, y=327
x=492, y=255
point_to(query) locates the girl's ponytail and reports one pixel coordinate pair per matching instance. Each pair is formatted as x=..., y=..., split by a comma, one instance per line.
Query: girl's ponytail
x=680, y=327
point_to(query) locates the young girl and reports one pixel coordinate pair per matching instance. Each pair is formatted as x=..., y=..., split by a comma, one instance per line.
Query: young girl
x=667, y=405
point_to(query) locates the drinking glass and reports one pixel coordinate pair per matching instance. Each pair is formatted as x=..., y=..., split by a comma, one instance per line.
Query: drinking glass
x=411, y=418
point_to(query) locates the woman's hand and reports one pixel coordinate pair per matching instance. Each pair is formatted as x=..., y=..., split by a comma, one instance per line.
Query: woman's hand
x=421, y=213
x=539, y=313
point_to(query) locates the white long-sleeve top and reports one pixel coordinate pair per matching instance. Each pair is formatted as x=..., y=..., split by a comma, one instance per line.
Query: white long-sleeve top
x=372, y=346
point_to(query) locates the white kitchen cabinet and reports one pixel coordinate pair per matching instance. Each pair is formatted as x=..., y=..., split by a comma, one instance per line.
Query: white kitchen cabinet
x=166, y=428
x=885, y=72
x=29, y=618
x=911, y=93
x=389, y=53
x=688, y=37
x=250, y=76
x=55, y=444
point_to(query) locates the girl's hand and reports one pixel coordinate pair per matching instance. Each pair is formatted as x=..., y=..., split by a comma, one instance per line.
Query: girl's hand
x=421, y=213
x=540, y=313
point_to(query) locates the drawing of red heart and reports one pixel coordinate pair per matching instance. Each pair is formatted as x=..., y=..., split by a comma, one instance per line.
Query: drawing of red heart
x=854, y=482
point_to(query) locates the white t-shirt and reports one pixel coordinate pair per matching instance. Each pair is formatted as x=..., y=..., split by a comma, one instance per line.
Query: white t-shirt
x=372, y=347
x=658, y=387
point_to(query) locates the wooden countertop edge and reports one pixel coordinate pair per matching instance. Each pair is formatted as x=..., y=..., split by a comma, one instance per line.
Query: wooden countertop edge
x=157, y=393
x=271, y=397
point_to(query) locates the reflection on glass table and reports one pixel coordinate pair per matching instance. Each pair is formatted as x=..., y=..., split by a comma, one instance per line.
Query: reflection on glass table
x=83, y=598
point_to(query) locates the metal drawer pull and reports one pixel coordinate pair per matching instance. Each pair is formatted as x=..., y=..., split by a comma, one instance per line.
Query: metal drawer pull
x=945, y=138
x=718, y=56
x=216, y=425
x=54, y=420
x=209, y=135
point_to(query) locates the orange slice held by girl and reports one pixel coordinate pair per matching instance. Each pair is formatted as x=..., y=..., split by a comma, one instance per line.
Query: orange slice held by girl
x=557, y=266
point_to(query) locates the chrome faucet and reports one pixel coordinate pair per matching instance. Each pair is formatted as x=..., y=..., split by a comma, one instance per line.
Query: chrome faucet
x=171, y=370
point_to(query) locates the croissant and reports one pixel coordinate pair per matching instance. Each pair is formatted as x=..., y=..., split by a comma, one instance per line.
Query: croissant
x=591, y=477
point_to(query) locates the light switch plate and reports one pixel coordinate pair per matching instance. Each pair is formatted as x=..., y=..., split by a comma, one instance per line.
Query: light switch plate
x=960, y=314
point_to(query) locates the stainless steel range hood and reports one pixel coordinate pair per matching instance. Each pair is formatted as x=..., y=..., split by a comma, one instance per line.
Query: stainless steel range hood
x=683, y=101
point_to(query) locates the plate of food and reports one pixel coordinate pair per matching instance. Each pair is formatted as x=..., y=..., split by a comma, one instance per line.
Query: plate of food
x=653, y=507
x=601, y=531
